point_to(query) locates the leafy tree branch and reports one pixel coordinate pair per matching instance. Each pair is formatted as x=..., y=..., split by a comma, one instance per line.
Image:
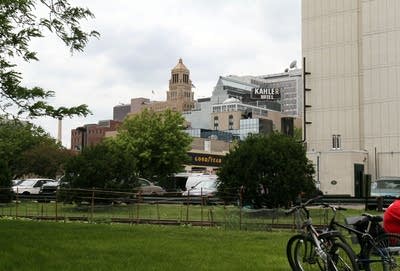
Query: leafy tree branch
x=19, y=25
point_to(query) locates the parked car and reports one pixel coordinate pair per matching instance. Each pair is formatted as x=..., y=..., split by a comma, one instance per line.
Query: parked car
x=386, y=187
x=206, y=188
x=31, y=186
x=196, y=178
x=49, y=188
x=16, y=182
x=148, y=188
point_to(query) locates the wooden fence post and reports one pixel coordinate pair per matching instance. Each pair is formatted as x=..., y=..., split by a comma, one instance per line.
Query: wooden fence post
x=187, y=208
x=201, y=206
x=92, y=206
x=241, y=207
x=16, y=204
x=56, y=206
x=137, y=207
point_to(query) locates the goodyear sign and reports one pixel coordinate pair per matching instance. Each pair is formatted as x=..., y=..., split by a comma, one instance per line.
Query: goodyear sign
x=203, y=159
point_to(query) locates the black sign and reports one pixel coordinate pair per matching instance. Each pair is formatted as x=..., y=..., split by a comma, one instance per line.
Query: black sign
x=266, y=93
x=203, y=159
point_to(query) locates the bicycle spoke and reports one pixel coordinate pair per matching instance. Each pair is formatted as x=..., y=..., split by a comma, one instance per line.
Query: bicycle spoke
x=384, y=255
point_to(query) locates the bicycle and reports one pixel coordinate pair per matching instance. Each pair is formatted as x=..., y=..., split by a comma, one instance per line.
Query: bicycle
x=378, y=250
x=318, y=250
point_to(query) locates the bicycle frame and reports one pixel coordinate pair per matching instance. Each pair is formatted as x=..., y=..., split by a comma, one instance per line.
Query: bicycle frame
x=367, y=240
x=317, y=238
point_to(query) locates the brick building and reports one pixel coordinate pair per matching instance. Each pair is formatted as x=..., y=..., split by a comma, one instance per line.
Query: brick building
x=91, y=134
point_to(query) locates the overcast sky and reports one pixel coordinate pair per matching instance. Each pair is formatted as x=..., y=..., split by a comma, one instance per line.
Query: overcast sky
x=141, y=41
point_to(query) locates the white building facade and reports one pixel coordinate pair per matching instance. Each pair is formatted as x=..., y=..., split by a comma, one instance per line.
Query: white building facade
x=352, y=52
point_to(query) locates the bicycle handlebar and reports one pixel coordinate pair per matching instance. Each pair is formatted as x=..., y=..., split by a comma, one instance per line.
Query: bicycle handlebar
x=334, y=208
x=302, y=205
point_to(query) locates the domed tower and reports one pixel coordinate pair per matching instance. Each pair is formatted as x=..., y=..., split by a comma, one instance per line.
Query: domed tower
x=180, y=88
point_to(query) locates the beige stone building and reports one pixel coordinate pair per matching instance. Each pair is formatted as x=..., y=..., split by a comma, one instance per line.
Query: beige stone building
x=227, y=116
x=352, y=52
x=180, y=96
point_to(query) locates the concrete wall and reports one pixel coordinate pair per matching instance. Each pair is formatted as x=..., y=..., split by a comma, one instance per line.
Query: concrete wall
x=335, y=170
x=352, y=50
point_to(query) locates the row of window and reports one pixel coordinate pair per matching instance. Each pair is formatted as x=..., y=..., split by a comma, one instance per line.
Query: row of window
x=175, y=78
x=97, y=131
x=230, y=122
x=187, y=107
x=185, y=94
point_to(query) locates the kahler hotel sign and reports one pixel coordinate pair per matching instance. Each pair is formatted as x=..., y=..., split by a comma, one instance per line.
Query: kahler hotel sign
x=266, y=93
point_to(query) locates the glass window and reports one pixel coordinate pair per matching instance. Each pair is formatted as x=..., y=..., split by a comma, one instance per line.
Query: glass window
x=230, y=122
x=336, y=142
x=216, y=123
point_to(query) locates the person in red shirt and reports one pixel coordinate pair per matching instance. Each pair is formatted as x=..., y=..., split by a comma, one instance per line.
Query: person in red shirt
x=391, y=218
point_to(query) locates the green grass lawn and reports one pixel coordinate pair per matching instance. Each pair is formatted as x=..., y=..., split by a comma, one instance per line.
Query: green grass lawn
x=32, y=245
x=228, y=217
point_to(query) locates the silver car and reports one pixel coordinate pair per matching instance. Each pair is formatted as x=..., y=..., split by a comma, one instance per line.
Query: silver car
x=148, y=188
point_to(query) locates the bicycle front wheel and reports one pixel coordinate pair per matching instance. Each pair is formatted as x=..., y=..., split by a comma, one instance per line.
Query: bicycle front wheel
x=341, y=258
x=291, y=244
x=384, y=254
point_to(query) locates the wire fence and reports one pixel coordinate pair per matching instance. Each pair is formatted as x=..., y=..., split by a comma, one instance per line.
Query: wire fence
x=108, y=206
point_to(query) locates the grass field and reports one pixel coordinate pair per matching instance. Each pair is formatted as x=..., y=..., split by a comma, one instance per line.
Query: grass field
x=32, y=245
x=229, y=216
x=102, y=245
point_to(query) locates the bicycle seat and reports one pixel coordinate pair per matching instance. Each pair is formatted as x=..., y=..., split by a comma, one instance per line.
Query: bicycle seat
x=352, y=220
x=373, y=218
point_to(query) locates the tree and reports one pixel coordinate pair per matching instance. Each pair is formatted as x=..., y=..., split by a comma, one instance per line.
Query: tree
x=269, y=169
x=19, y=24
x=45, y=160
x=20, y=153
x=105, y=166
x=17, y=137
x=5, y=182
x=157, y=141
x=298, y=134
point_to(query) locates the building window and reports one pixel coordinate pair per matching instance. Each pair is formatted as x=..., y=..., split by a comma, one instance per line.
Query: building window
x=336, y=142
x=175, y=78
x=230, y=122
x=216, y=123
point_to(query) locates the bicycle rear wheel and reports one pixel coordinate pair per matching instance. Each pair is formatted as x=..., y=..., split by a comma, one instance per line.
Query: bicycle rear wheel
x=384, y=255
x=305, y=257
x=341, y=258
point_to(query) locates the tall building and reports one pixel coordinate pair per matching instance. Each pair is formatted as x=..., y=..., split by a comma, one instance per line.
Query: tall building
x=180, y=88
x=227, y=87
x=290, y=82
x=121, y=111
x=180, y=96
x=231, y=103
x=352, y=53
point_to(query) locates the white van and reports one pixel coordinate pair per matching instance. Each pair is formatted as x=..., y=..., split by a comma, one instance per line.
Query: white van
x=198, y=183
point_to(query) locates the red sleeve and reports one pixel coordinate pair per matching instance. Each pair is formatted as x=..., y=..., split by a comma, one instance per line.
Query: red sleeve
x=391, y=218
